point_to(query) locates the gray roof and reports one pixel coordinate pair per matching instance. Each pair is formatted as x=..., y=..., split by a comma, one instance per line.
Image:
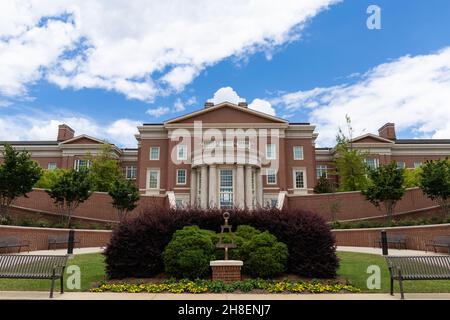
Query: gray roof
x=30, y=143
x=422, y=141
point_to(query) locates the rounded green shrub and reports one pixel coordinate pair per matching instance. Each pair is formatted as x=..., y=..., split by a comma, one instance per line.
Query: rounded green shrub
x=263, y=256
x=189, y=252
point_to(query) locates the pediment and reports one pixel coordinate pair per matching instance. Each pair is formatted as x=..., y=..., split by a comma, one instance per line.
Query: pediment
x=371, y=138
x=83, y=139
x=226, y=113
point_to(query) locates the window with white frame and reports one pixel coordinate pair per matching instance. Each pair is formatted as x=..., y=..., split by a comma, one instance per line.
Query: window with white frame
x=299, y=179
x=322, y=171
x=372, y=163
x=181, y=176
x=401, y=165
x=271, y=152
x=82, y=164
x=154, y=153
x=130, y=172
x=417, y=164
x=181, y=152
x=243, y=144
x=179, y=203
x=51, y=166
x=298, y=153
x=272, y=203
x=153, y=179
x=226, y=189
x=271, y=177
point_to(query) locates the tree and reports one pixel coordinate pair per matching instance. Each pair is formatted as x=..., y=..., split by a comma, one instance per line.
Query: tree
x=104, y=169
x=18, y=174
x=386, y=186
x=323, y=186
x=350, y=166
x=435, y=182
x=125, y=196
x=412, y=177
x=48, y=178
x=69, y=191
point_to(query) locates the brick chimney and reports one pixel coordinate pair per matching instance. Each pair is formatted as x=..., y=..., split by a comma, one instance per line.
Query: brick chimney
x=387, y=131
x=65, y=132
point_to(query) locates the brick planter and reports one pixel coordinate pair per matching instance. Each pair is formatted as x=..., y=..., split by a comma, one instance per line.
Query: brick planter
x=226, y=270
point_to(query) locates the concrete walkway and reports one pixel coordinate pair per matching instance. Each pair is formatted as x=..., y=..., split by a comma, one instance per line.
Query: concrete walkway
x=41, y=295
x=392, y=252
x=61, y=252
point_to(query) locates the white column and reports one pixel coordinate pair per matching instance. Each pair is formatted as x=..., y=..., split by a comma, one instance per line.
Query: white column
x=248, y=187
x=212, y=186
x=259, y=187
x=193, y=186
x=240, y=187
x=204, y=191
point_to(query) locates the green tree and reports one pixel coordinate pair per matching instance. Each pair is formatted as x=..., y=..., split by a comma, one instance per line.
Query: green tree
x=324, y=186
x=69, y=191
x=48, y=178
x=350, y=166
x=104, y=169
x=18, y=174
x=412, y=177
x=435, y=182
x=125, y=196
x=386, y=187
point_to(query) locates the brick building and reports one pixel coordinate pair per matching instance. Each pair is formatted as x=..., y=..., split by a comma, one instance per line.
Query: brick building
x=229, y=155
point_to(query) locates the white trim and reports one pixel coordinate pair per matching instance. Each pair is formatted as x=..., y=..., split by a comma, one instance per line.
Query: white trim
x=294, y=184
x=182, y=146
x=371, y=135
x=274, y=153
x=147, y=183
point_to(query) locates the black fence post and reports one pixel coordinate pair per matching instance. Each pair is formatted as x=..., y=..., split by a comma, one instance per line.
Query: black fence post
x=71, y=241
x=384, y=243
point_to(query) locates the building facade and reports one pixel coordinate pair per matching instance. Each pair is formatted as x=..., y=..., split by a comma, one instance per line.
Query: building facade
x=228, y=155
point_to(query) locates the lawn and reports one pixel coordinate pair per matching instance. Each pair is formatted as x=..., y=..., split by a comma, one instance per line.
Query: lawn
x=353, y=269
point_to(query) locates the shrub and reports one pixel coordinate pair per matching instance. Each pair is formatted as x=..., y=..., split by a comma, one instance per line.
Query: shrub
x=264, y=256
x=189, y=252
x=136, y=245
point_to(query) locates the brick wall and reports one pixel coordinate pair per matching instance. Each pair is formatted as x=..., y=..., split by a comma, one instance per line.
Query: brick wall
x=353, y=205
x=98, y=206
x=38, y=237
x=416, y=236
x=226, y=273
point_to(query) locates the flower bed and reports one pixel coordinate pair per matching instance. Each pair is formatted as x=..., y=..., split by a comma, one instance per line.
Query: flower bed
x=206, y=286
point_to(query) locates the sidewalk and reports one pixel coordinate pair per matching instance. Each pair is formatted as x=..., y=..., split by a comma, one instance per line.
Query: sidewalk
x=43, y=295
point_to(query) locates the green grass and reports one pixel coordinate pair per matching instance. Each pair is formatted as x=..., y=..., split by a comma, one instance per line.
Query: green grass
x=353, y=269
x=92, y=270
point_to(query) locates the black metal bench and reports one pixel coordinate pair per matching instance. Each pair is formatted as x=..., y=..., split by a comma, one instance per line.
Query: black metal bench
x=55, y=240
x=439, y=241
x=417, y=268
x=13, y=242
x=18, y=266
x=399, y=240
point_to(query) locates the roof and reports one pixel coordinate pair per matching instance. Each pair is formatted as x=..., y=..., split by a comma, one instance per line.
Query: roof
x=30, y=143
x=422, y=141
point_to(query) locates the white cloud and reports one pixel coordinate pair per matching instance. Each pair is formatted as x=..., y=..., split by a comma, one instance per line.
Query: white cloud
x=178, y=106
x=262, y=106
x=226, y=94
x=139, y=48
x=158, y=112
x=28, y=127
x=412, y=91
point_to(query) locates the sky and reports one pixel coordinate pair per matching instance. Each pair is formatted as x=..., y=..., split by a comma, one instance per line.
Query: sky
x=104, y=67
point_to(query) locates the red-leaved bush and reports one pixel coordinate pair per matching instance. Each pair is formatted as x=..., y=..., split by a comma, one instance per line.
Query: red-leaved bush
x=136, y=245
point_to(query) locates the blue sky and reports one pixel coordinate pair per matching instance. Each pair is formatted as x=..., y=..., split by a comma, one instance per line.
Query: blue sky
x=310, y=63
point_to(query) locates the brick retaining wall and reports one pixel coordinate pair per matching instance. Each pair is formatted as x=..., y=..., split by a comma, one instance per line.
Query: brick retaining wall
x=353, y=205
x=38, y=237
x=416, y=236
x=98, y=206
